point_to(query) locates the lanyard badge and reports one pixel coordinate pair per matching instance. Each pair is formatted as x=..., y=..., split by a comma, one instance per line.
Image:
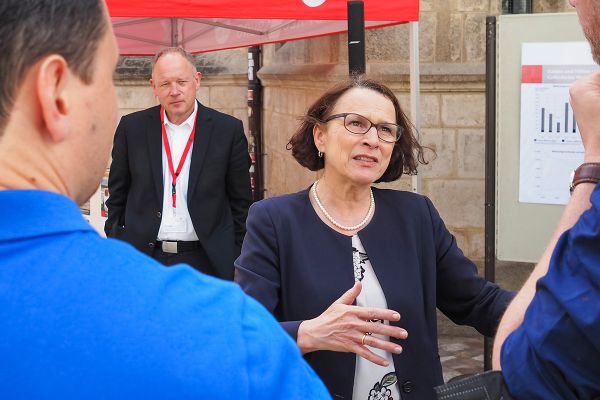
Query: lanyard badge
x=175, y=173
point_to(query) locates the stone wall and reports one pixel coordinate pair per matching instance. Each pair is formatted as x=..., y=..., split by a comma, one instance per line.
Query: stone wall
x=544, y=6
x=294, y=74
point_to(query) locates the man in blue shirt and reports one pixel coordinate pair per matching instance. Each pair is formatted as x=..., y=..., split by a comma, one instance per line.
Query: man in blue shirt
x=87, y=317
x=548, y=343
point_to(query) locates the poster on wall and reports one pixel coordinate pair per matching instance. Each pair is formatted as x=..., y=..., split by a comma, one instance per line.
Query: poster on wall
x=104, y=196
x=95, y=210
x=550, y=145
x=85, y=210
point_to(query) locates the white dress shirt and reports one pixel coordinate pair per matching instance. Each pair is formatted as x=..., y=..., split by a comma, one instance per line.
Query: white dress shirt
x=177, y=224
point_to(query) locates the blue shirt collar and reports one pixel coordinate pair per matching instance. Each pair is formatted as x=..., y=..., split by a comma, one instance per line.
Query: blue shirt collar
x=31, y=213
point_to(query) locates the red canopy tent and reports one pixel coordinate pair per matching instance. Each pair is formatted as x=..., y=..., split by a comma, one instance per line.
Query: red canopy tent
x=144, y=26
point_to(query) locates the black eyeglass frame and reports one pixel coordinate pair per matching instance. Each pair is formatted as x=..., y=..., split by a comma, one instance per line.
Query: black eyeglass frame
x=344, y=115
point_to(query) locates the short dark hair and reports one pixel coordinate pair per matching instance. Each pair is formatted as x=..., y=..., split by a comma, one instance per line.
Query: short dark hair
x=33, y=29
x=407, y=151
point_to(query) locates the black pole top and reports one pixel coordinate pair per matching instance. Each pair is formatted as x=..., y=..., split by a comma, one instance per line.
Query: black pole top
x=356, y=37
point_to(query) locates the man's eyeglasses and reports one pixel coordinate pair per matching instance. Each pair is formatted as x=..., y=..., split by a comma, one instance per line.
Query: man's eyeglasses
x=359, y=125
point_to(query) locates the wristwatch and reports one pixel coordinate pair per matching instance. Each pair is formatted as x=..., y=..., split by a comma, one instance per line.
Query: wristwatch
x=585, y=173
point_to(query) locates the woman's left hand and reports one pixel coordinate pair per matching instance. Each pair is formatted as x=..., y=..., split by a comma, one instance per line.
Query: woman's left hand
x=348, y=328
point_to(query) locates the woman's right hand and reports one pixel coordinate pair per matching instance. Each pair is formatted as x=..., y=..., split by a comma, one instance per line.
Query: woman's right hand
x=342, y=328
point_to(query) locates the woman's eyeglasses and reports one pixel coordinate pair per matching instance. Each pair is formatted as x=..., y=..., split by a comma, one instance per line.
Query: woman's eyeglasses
x=359, y=125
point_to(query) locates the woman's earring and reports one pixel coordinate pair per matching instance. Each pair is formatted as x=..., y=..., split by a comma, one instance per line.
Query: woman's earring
x=320, y=154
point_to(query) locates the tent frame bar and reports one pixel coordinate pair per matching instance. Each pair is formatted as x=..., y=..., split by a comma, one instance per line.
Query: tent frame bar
x=415, y=96
x=225, y=26
x=138, y=39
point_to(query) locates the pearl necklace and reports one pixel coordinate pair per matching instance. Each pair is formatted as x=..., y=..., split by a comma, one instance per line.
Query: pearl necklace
x=337, y=224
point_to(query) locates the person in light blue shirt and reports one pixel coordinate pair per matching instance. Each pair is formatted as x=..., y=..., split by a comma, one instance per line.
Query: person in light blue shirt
x=85, y=317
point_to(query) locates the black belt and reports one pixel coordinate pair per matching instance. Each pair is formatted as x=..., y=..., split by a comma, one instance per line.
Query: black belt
x=177, y=246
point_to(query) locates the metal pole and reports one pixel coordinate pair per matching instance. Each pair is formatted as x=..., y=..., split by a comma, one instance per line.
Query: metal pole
x=174, y=33
x=517, y=7
x=356, y=38
x=254, y=124
x=490, y=168
x=522, y=7
x=415, y=95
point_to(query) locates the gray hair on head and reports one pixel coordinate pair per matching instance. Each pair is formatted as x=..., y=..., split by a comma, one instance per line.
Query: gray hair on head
x=178, y=50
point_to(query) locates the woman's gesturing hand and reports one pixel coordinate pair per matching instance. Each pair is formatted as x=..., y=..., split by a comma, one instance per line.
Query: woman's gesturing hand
x=342, y=327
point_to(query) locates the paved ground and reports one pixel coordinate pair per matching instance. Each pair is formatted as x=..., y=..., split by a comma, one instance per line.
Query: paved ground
x=460, y=355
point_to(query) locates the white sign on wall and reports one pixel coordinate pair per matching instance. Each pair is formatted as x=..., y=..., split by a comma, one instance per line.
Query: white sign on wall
x=550, y=145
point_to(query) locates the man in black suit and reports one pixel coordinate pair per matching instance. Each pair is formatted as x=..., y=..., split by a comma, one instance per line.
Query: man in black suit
x=179, y=182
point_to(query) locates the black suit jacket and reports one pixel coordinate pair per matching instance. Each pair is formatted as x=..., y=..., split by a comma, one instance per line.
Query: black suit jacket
x=218, y=195
x=296, y=266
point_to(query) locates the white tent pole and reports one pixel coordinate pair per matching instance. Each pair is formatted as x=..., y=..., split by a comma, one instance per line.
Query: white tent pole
x=415, y=89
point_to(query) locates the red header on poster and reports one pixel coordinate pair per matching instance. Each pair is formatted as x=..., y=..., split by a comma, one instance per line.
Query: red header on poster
x=532, y=74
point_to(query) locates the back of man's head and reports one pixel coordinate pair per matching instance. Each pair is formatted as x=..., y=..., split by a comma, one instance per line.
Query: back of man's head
x=589, y=16
x=32, y=29
x=57, y=96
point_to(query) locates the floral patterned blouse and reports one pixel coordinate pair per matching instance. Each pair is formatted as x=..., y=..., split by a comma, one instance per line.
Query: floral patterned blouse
x=371, y=381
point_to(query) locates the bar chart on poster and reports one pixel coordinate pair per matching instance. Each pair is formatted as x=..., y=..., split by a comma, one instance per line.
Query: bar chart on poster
x=554, y=115
x=550, y=144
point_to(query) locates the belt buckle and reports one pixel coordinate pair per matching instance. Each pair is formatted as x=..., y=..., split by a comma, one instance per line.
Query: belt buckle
x=169, y=247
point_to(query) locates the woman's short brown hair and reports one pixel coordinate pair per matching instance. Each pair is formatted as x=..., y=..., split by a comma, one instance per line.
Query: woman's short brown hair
x=407, y=151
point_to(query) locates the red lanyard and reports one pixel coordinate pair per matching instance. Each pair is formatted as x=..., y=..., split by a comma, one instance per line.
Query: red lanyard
x=175, y=174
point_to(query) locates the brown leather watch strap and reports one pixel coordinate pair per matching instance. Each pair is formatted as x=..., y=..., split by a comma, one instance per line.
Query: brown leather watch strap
x=586, y=173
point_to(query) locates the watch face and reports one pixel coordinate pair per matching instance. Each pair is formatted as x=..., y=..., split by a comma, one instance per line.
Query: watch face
x=572, y=180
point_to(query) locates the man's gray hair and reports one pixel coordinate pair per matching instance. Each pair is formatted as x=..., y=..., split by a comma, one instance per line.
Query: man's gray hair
x=177, y=50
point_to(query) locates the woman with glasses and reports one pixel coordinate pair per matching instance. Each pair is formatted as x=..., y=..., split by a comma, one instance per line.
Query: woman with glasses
x=355, y=273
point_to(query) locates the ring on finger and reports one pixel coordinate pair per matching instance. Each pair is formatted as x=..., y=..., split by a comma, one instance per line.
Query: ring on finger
x=362, y=340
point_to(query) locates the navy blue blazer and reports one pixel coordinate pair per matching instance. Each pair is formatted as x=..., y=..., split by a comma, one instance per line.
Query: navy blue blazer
x=296, y=266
